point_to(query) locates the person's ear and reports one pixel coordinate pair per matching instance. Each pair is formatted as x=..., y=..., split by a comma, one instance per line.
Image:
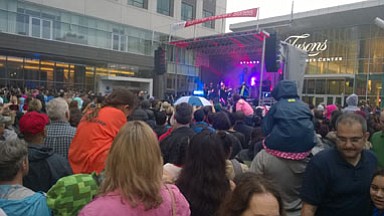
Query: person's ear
x=25, y=166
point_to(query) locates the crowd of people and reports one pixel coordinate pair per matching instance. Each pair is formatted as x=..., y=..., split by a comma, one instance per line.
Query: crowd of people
x=78, y=153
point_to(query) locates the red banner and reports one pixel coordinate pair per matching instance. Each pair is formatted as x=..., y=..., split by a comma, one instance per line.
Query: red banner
x=244, y=13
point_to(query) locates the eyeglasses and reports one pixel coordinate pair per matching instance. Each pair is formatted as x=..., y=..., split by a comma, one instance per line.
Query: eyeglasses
x=353, y=140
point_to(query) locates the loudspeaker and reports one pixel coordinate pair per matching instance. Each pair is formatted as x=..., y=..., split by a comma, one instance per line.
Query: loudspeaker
x=271, y=52
x=160, y=61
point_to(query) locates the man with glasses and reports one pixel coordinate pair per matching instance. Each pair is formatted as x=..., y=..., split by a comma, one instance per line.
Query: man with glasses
x=336, y=181
x=377, y=141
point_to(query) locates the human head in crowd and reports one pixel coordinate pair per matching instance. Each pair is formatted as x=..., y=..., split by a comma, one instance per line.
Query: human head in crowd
x=145, y=104
x=6, y=130
x=156, y=104
x=13, y=161
x=75, y=114
x=58, y=110
x=32, y=126
x=321, y=129
x=199, y=115
x=335, y=115
x=203, y=178
x=3, y=123
x=134, y=165
x=352, y=101
x=239, y=116
x=318, y=114
x=236, y=97
x=226, y=142
x=183, y=114
x=329, y=109
x=73, y=104
x=35, y=105
x=71, y=193
x=161, y=118
x=377, y=192
x=120, y=98
x=354, y=125
x=221, y=121
x=208, y=109
x=253, y=195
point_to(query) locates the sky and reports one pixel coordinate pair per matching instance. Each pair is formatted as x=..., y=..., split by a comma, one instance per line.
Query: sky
x=271, y=8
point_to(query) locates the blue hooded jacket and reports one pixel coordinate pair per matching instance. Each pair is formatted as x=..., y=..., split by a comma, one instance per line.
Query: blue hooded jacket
x=28, y=206
x=288, y=125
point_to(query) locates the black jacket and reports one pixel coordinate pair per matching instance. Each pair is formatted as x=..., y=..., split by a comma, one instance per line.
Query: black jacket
x=173, y=147
x=45, y=168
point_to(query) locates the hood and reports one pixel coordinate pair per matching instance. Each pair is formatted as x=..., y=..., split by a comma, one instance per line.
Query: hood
x=352, y=100
x=285, y=89
x=330, y=108
x=38, y=152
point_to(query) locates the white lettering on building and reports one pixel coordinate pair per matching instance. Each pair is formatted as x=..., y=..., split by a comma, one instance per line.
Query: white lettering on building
x=313, y=48
x=323, y=59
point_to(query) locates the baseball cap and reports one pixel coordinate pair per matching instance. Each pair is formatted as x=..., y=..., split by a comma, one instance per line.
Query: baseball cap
x=33, y=123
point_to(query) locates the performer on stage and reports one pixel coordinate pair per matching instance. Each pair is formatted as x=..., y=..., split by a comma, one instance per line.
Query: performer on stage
x=212, y=93
x=243, y=90
x=223, y=94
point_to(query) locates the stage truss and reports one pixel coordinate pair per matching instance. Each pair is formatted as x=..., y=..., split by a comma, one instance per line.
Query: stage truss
x=225, y=44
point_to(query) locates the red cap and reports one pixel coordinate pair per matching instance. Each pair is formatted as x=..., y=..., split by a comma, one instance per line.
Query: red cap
x=33, y=123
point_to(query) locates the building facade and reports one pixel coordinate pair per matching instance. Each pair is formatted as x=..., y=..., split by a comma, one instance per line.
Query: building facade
x=345, y=50
x=91, y=44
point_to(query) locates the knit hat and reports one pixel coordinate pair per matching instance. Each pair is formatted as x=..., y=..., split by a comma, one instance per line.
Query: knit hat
x=33, y=123
x=352, y=100
x=71, y=193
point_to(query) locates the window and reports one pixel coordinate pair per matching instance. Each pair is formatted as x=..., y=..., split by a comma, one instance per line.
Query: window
x=186, y=12
x=119, y=40
x=164, y=7
x=136, y=3
x=40, y=28
x=209, y=24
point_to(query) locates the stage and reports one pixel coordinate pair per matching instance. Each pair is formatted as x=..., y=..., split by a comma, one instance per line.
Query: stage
x=233, y=59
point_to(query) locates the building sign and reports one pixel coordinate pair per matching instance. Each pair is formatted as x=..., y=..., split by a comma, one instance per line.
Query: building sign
x=314, y=49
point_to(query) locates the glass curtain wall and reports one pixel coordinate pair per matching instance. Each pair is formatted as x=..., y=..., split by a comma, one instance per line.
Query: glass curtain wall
x=32, y=73
x=350, y=59
x=50, y=24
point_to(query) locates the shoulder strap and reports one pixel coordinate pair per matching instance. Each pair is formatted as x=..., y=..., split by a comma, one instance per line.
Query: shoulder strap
x=172, y=200
x=236, y=167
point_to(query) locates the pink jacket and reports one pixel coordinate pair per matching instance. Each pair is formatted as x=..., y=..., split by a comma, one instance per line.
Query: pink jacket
x=245, y=107
x=112, y=204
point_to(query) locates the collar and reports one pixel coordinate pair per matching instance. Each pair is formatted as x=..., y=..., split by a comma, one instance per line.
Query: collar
x=59, y=122
x=342, y=161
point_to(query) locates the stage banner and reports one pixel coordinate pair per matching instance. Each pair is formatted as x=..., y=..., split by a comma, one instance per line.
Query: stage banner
x=294, y=64
x=244, y=13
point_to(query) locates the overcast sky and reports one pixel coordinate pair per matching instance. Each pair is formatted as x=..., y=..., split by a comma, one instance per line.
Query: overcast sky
x=271, y=8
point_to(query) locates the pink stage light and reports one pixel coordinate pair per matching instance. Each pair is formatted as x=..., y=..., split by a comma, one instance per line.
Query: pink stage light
x=250, y=62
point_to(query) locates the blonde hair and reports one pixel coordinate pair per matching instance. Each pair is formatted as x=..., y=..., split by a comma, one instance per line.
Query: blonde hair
x=35, y=105
x=134, y=166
